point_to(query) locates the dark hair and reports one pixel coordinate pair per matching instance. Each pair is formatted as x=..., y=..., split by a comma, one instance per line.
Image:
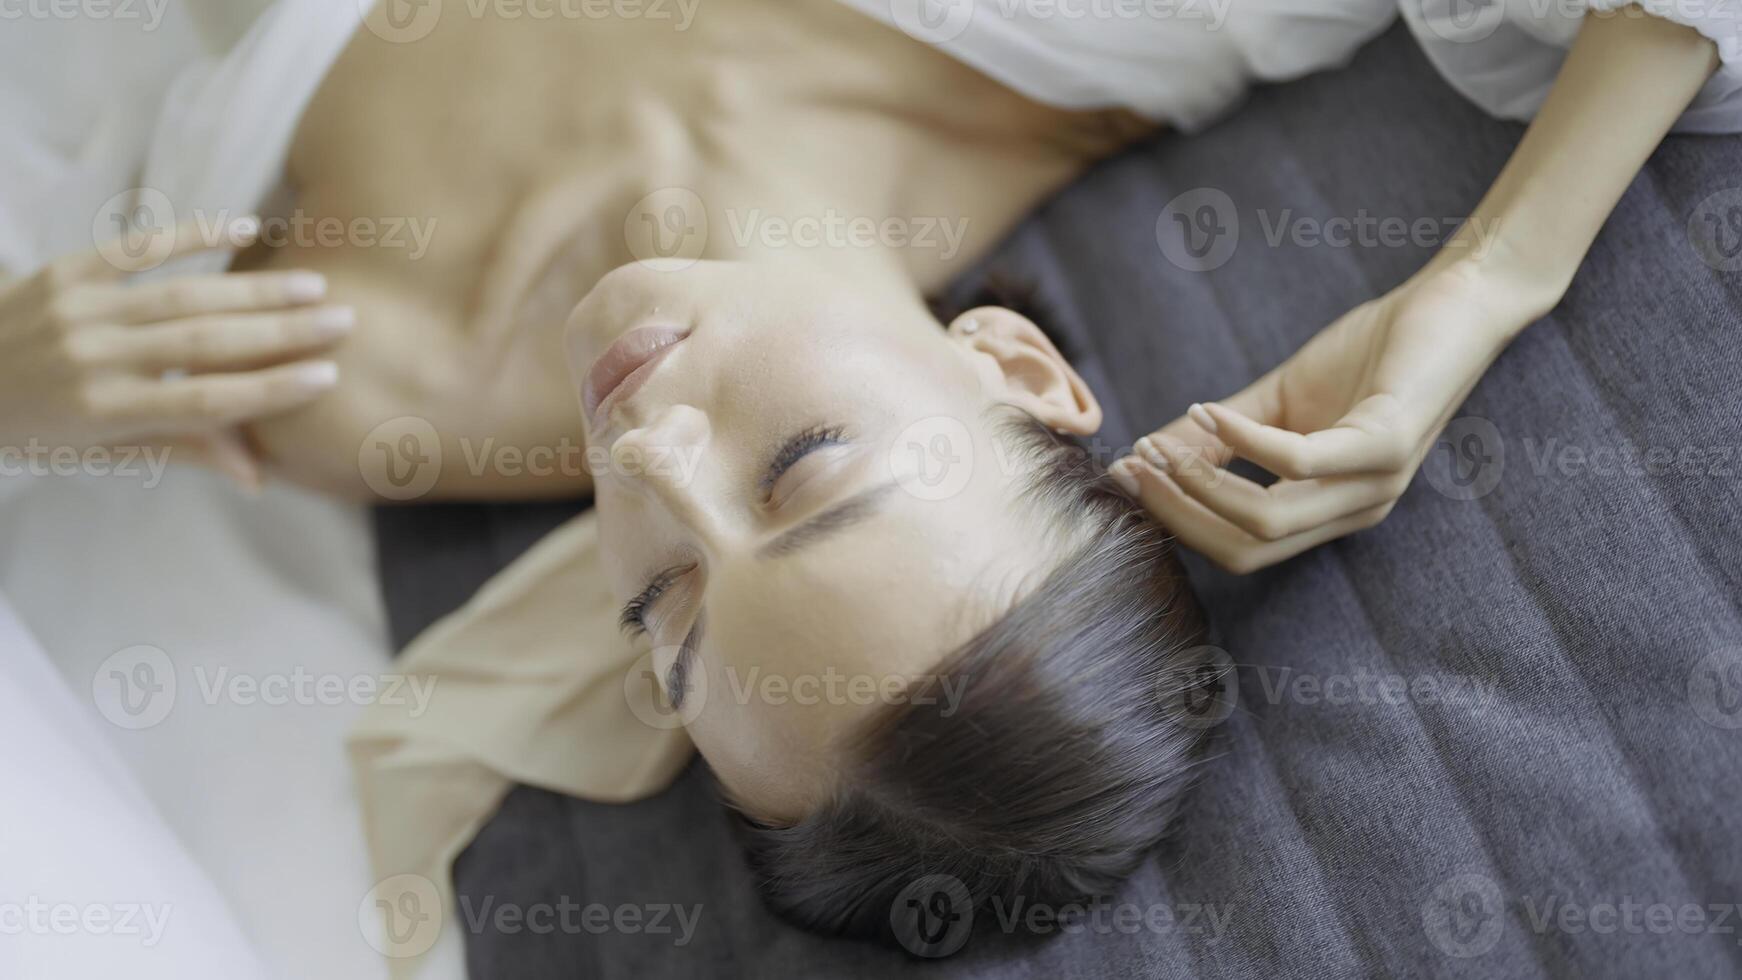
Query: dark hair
x=1069, y=749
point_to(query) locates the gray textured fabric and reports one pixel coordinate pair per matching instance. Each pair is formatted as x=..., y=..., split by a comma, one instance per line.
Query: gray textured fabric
x=1516, y=826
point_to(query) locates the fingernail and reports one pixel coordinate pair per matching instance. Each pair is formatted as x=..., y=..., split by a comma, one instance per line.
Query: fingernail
x=334, y=321
x=305, y=287
x=1197, y=413
x=1147, y=448
x=318, y=374
x=1122, y=475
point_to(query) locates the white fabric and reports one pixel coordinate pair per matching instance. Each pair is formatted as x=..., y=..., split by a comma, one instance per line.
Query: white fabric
x=1186, y=62
x=1504, y=56
x=229, y=589
x=225, y=130
x=77, y=100
x=1183, y=62
x=256, y=794
x=92, y=884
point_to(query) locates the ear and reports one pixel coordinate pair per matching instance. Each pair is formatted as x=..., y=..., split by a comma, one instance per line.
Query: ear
x=1019, y=365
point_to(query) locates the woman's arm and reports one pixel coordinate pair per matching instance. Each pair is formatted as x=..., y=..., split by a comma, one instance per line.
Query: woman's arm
x=1349, y=418
x=1626, y=79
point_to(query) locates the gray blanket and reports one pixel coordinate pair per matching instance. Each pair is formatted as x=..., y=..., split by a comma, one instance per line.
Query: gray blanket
x=1498, y=735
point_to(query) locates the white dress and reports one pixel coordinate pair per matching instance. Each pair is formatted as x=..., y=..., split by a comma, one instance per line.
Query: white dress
x=1185, y=62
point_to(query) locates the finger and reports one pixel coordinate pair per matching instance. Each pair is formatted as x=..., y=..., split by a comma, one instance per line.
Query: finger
x=1267, y=513
x=1366, y=440
x=233, y=342
x=203, y=400
x=1257, y=400
x=190, y=296
x=1207, y=533
x=128, y=253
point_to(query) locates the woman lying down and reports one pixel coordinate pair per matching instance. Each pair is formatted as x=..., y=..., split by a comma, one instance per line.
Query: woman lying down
x=610, y=167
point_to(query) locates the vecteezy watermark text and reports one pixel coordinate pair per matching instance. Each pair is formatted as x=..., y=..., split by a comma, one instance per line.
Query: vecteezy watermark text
x=832, y=229
x=127, y=462
x=649, y=701
x=37, y=917
x=137, y=229
x=149, y=13
x=138, y=686
x=567, y=917
x=405, y=21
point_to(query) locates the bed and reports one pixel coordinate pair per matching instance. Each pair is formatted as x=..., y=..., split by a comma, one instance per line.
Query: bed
x=1498, y=735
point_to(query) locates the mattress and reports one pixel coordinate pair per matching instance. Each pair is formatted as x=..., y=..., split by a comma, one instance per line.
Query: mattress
x=1498, y=735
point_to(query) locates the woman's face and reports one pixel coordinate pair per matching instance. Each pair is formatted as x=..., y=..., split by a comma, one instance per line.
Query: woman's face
x=806, y=506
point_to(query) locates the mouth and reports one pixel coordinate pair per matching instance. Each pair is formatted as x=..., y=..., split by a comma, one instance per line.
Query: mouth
x=625, y=366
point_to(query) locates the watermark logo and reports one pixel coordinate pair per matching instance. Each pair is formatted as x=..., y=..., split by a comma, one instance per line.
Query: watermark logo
x=1715, y=688
x=401, y=458
x=668, y=229
x=134, y=231
x=933, y=459
x=401, y=916
x=1198, y=230
x=932, y=21
x=1209, y=691
x=400, y=21
x=1465, y=915
x=1467, y=460
x=135, y=687
x=1715, y=230
x=1462, y=21
x=647, y=697
x=933, y=916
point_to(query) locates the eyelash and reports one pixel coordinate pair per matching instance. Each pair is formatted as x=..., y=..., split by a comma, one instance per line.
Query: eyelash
x=632, y=620
x=797, y=448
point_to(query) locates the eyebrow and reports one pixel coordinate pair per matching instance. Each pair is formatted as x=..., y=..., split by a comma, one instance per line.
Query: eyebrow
x=854, y=510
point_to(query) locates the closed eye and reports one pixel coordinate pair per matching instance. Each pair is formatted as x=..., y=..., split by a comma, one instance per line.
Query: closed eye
x=633, y=617
x=797, y=448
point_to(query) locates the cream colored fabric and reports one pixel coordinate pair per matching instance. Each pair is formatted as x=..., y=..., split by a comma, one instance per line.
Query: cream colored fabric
x=532, y=683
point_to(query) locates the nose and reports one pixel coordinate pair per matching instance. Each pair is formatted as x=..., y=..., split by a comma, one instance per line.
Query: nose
x=665, y=458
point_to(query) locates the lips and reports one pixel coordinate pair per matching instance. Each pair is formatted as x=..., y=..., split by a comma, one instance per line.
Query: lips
x=625, y=366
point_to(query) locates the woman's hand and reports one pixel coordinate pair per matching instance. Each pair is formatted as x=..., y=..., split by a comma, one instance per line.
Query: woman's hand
x=88, y=360
x=1344, y=423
